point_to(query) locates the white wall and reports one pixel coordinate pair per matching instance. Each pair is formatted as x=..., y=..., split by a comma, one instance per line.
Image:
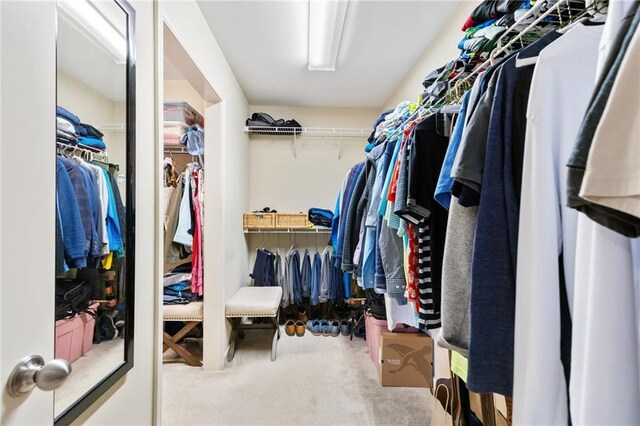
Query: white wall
x=232, y=188
x=181, y=90
x=441, y=50
x=313, y=179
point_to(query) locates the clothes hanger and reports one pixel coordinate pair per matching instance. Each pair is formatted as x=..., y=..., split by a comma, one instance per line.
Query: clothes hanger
x=293, y=243
x=594, y=14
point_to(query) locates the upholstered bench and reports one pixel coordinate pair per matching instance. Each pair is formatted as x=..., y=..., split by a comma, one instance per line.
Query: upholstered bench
x=253, y=302
x=191, y=314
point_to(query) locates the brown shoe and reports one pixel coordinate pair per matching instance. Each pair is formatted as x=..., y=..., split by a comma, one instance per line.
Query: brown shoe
x=302, y=314
x=300, y=328
x=290, y=328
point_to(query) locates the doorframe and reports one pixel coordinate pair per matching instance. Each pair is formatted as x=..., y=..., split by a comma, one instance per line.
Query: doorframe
x=215, y=331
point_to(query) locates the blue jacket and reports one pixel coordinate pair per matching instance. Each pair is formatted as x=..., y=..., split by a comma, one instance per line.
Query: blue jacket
x=346, y=199
x=84, y=193
x=73, y=237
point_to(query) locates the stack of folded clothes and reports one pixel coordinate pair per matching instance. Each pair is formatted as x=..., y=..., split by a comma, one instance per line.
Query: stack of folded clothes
x=263, y=123
x=320, y=217
x=492, y=9
x=70, y=130
x=487, y=23
x=177, y=286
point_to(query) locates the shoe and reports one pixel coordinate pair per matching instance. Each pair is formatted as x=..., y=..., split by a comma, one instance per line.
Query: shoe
x=325, y=327
x=314, y=327
x=302, y=314
x=335, y=328
x=108, y=330
x=300, y=327
x=290, y=328
x=345, y=328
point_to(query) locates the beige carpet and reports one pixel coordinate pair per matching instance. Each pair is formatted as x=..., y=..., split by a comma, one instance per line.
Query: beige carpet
x=88, y=370
x=314, y=381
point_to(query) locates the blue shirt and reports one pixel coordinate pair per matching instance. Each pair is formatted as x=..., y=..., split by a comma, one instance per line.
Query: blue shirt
x=443, y=188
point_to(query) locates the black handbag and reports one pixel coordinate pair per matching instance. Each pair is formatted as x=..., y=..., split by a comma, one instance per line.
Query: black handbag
x=72, y=297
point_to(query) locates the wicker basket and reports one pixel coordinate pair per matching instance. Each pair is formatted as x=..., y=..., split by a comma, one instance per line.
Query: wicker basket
x=291, y=220
x=259, y=220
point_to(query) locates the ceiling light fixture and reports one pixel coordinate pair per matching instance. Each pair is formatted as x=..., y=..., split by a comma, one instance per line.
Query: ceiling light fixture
x=86, y=18
x=326, y=20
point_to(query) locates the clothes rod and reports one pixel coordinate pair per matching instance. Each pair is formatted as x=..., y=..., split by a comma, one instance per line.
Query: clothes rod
x=63, y=148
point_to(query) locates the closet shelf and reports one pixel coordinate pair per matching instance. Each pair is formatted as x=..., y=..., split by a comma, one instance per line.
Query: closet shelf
x=176, y=149
x=118, y=128
x=310, y=132
x=288, y=231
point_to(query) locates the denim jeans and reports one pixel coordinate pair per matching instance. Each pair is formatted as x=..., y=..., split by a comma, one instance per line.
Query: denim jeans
x=316, y=272
x=306, y=275
x=263, y=269
x=294, y=276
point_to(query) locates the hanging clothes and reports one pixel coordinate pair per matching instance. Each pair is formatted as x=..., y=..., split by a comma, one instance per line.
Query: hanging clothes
x=608, y=270
x=547, y=229
x=86, y=200
x=495, y=245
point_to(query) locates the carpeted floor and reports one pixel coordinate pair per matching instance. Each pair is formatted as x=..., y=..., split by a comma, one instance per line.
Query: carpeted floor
x=314, y=381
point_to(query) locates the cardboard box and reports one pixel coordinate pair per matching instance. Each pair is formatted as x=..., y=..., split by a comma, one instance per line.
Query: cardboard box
x=406, y=360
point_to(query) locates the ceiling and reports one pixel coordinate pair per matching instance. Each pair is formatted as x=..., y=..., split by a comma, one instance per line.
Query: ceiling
x=86, y=60
x=265, y=43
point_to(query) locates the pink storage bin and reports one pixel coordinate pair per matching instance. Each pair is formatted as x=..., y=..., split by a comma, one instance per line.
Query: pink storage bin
x=373, y=328
x=172, y=140
x=74, y=336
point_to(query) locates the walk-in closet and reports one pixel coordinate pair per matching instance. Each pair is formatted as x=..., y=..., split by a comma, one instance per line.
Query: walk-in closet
x=320, y=212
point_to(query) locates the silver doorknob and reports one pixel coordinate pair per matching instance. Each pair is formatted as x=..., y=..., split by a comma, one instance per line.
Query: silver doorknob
x=32, y=371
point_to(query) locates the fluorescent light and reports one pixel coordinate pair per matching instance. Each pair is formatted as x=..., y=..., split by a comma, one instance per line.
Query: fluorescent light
x=326, y=20
x=93, y=23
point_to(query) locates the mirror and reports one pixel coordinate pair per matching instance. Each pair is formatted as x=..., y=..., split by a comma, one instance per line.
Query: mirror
x=95, y=132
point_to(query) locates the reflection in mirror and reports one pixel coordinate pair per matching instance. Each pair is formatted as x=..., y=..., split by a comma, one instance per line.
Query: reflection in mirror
x=91, y=143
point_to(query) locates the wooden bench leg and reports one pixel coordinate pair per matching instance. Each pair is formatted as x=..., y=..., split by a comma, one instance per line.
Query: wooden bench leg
x=182, y=352
x=233, y=340
x=180, y=334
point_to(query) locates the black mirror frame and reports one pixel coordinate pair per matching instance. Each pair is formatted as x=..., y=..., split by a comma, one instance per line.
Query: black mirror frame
x=88, y=399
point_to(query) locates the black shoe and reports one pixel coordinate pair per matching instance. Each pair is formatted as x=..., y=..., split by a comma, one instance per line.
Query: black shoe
x=108, y=329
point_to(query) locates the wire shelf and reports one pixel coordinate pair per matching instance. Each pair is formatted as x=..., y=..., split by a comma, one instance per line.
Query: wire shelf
x=116, y=127
x=308, y=132
x=288, y=231
x=176, y=149
x=85, y=151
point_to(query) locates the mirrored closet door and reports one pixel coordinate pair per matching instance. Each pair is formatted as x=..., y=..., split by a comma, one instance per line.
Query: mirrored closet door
x=95, y=132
